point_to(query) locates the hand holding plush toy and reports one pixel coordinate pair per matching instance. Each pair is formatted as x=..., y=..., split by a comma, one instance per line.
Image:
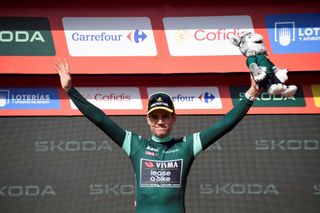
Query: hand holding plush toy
x=264, y=72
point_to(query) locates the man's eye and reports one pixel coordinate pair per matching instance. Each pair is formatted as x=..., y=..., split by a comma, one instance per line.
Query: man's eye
x=166, y=116
x=154, y=117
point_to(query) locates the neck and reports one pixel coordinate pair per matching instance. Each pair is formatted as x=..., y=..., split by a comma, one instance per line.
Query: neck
x=161, y=140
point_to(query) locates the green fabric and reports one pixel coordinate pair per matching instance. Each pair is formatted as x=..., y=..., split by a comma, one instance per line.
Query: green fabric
x=127, y=143
x=161, y=167
x=262, y=61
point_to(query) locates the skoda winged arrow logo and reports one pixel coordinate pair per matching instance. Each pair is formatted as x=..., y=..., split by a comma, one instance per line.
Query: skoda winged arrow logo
x=138, y=36
x=207, y=97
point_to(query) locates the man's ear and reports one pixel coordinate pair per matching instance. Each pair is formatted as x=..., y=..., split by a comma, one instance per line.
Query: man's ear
x=235, y=40
x=147, y=118
x=174, y=116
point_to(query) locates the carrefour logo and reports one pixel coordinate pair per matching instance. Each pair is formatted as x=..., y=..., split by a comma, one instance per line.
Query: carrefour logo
x=294, y=33
x=138, y=36
x=29, y=98
x=207, y=97
x=25, y=36
x=192, y=97
x=109, y=36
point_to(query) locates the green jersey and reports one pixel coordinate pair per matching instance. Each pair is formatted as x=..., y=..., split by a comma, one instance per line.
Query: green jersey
x=161, y=166
x=262, y=61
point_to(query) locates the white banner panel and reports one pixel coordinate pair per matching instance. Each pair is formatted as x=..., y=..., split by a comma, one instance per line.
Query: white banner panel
x=204, y=35
x=191, y=97
x=111, y=97
x=109, y=36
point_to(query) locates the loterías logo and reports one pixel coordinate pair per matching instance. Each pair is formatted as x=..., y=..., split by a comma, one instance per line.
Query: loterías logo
x=294, y=33
x=4, y=97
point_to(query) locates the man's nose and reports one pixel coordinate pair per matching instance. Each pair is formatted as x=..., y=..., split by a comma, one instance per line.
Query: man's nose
x=160, y=120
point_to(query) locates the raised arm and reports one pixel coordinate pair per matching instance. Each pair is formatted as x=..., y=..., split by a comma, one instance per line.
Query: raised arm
x=231, y=119
x=94, y=114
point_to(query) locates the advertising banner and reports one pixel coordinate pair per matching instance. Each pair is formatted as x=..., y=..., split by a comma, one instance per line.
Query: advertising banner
x=153, y=40
x=268, y=162
x=124, y=100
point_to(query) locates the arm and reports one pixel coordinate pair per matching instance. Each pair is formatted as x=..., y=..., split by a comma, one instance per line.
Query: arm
x=93, y=113
x=230, y=120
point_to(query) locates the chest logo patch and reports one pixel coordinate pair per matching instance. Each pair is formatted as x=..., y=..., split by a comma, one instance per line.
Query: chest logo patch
x=156, y=173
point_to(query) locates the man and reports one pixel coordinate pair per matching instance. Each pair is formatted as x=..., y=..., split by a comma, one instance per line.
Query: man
x=162, y=163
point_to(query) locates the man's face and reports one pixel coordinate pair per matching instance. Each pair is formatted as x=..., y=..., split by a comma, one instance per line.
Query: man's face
x=161, y=122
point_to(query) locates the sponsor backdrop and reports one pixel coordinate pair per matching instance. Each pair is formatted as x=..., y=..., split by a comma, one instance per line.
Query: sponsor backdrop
x=118, y=100
x=268, y=163
x=150, y=40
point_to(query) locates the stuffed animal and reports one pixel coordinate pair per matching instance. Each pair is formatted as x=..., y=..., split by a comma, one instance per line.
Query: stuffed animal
x=264, y=72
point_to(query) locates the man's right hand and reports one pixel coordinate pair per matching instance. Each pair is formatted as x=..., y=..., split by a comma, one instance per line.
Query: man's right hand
x=62, y=67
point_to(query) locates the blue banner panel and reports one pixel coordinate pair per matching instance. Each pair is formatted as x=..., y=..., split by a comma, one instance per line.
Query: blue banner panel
x=29, y=98
x=294, y=33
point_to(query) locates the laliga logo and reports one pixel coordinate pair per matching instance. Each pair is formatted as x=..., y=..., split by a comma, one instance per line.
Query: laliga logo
x=138, y=36
x=207, y=97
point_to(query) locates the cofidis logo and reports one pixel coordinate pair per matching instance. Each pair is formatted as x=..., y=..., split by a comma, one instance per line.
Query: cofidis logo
x=204, y=35
x=29, y=98
x=119, y=98
x=25, y=36
x=294, y=33
x=109, y=36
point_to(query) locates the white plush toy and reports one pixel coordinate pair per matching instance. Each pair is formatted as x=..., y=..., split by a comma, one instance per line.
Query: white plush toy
x=264, y=72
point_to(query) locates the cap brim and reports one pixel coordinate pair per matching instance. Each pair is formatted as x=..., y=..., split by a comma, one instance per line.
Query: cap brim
x=164, y=108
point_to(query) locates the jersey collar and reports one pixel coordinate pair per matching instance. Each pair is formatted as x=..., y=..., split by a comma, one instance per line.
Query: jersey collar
x=161, y=140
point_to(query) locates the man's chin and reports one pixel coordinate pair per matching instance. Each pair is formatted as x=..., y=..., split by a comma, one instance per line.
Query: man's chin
x=162, y=134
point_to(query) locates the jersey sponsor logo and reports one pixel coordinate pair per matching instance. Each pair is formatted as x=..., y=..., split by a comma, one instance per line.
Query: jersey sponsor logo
x=25, y=36
x=109, y=36
x=204, y=35
x=155, y=173
x=294, y=33
x=151, y=151
x=192, y=97
x=29, y=98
